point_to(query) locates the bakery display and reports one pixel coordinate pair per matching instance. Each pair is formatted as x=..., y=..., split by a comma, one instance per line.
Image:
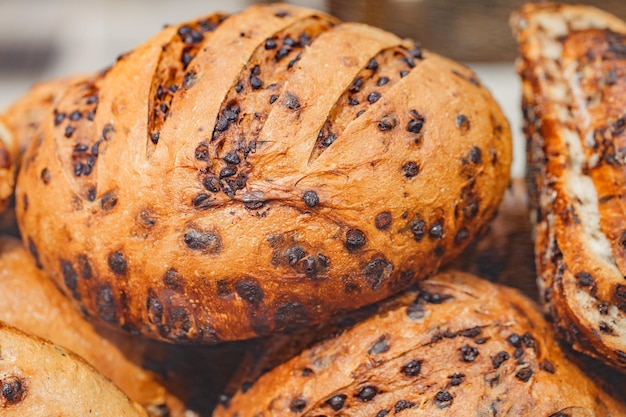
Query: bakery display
x=287, y=187
x=167, y=380
x=573, y=69
x=41, y=379
x=456, y=343
x=240, y=175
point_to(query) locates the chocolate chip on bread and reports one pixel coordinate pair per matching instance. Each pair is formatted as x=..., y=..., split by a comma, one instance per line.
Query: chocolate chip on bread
x=41, y=379
x=167, y=380
x=458, y=345
x=240, y=175
x=573, y=69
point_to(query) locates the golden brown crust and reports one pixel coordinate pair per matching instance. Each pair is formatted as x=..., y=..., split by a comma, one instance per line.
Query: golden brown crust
x=459, y=345
x=341, y=204
x=18, y=125
x=503, y=252
x=573, y=69
x=166, y=380
x=42, y=379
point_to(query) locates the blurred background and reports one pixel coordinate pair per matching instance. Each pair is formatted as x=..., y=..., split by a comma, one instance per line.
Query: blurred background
x=41, y=39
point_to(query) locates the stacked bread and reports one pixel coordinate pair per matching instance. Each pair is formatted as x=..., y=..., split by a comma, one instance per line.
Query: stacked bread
x=275, y=173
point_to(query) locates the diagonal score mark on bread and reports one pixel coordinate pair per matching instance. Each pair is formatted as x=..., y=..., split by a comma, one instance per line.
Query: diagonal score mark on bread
x=574, y=95
x=378, y=76
x=171, y=76
x=249, y=102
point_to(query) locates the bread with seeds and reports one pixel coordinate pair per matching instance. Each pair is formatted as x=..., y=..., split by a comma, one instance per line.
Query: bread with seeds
x=240, y=175
x=457, y=345
x=41, y=379
x=573, y=69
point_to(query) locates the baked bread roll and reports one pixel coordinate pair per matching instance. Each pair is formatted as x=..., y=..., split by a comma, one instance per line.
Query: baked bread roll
x=573, y=69
x=8, y=151
x=167, y=380
x=457, y=346
x=18, y=125
x=245, y=174
x=40, y=379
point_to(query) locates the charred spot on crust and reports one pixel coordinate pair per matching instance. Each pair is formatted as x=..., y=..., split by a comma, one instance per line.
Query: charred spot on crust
x=355, y=240
x=202, y=241
x=117, y=263
x=250, y=291
x=13, y=389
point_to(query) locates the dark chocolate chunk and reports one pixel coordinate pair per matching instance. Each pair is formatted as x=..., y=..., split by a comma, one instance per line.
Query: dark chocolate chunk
x=311, y=199
x=117, y=263
x=355, y=240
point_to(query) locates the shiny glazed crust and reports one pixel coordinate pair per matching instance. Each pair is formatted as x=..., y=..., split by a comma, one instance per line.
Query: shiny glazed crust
x=573, y=68
x=165, y=379
x=457, y=346
x=40, y=379
x=237, y=176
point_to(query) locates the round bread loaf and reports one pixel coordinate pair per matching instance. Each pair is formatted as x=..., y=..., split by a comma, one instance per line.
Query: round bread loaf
x=40, y=379
x=167, y=380
x=245, y=174
x=573, y=69
x=457, y=346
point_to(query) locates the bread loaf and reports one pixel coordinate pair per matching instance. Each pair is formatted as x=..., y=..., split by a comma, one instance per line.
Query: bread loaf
x=573, y=68
x=18, y=124
x=167, y=380
x=40, y=379
x=245, y=174
x=457, y=346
